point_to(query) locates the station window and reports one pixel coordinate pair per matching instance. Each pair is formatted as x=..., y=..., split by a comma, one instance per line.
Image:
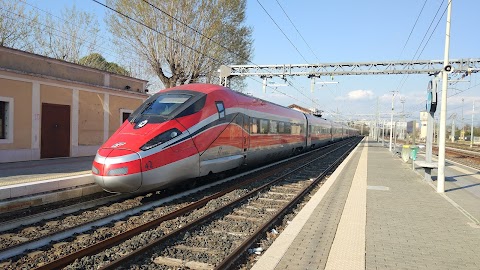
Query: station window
x=6, y=120
x=3, y=118
x=124, y=115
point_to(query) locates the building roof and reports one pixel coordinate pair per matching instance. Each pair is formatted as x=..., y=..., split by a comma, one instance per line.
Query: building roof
x=18, y=61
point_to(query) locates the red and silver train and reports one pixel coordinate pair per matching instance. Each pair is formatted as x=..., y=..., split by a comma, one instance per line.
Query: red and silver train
x=197, y=129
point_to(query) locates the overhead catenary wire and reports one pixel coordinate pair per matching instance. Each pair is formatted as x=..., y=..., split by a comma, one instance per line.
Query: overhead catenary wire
x=225, y=48
x=281, y=30
x=296, y=29
x=65, y=34
x=273, y=20
x=189, y=47
x=405, y=76
x=158, y=32
x=104, y=50
x=413, y=28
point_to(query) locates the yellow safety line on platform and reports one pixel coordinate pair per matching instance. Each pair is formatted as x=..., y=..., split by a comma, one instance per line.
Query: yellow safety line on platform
x=348, y=248
x=277, y=250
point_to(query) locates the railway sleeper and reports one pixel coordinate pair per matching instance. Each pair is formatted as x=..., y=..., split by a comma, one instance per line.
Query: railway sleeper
x=273, y=200
x=293, y=184
x=260, y=207
x=173, y=262
x=281, y=193
x=239, y=234
x=277, y=188
x=241, y=213
x=237, y=217
x=197, y=249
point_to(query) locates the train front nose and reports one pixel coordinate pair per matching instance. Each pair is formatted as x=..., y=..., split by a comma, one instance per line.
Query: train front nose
x=117, y=170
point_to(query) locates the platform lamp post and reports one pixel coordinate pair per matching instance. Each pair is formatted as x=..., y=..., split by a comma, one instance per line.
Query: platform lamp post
x=443, y=112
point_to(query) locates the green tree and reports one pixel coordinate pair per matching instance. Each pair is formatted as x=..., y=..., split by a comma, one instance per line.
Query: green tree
x=175, y=53
x=96, y=60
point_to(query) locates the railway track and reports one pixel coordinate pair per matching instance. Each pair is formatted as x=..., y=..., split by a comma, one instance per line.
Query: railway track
x=220, y=213
x=463, y=156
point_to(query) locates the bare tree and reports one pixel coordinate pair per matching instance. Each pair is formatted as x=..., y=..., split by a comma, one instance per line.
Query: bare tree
x=74, y=34
x=182, y=40
x=16, y=25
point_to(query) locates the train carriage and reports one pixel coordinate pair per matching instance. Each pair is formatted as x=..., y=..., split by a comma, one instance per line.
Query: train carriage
x=197, y=129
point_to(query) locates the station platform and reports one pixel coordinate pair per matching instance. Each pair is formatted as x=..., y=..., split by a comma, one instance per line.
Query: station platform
x=48, y=179
x=376, y=212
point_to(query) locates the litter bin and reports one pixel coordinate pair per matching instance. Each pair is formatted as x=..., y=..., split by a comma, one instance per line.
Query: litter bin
x=406, y=153
x=413, y=152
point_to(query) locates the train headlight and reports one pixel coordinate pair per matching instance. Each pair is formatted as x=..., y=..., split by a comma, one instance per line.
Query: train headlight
x=119, y=171
x=162, y=138
x=95, y=170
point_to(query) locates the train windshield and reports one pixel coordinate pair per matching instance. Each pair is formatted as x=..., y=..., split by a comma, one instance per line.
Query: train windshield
x=165, y=104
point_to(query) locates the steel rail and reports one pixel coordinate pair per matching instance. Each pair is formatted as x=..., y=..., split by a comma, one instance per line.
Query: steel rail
x=240, y=250
x=203, y=219
x=109, y=242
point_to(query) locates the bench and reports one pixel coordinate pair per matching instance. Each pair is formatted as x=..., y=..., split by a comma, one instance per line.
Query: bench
x=428, y=167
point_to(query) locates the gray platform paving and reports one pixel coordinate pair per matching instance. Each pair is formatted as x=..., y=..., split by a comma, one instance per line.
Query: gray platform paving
x=408, y=224
x=30, y=183
x=37, y=170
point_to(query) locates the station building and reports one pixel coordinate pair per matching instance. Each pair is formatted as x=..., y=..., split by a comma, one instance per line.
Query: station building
x=51, y=108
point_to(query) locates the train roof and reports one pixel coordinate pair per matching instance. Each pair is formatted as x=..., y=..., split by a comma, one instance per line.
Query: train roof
x=199, y=87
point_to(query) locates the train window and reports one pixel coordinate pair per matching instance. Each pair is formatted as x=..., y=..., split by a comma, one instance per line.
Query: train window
x=288, y=128
x=220, y=109
x=254, y=128
x=281, y=127
x=246, y=123
x=195, y=107
x=238, y=120
x=264, y=126
x=296, y=129
x=273, y=127
x=165, y=104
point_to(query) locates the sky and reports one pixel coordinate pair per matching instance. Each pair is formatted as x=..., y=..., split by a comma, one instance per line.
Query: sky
x=353, y=31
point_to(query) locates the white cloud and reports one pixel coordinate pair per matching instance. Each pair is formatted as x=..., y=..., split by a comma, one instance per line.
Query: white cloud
x=357, y=95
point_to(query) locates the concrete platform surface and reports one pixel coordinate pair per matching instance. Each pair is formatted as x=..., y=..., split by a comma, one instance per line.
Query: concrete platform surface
x=27, y=178
x=375, y=212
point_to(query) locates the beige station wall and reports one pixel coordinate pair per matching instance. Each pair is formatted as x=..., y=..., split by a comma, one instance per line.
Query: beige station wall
x=21, y=92
x=121, y=82
x=90, y=118
x=55, y=95
x=116, y=104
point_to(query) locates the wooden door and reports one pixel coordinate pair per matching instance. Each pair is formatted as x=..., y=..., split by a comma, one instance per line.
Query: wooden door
x=55, y=131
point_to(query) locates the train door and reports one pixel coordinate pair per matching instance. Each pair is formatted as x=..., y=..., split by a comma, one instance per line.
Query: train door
x=246, y=133
x=308, y=133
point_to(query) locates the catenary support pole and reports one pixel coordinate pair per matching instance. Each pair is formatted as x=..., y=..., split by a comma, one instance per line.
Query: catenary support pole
x=443, y=111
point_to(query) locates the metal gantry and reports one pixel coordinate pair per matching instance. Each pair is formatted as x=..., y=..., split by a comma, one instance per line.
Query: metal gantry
x=469, y=65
